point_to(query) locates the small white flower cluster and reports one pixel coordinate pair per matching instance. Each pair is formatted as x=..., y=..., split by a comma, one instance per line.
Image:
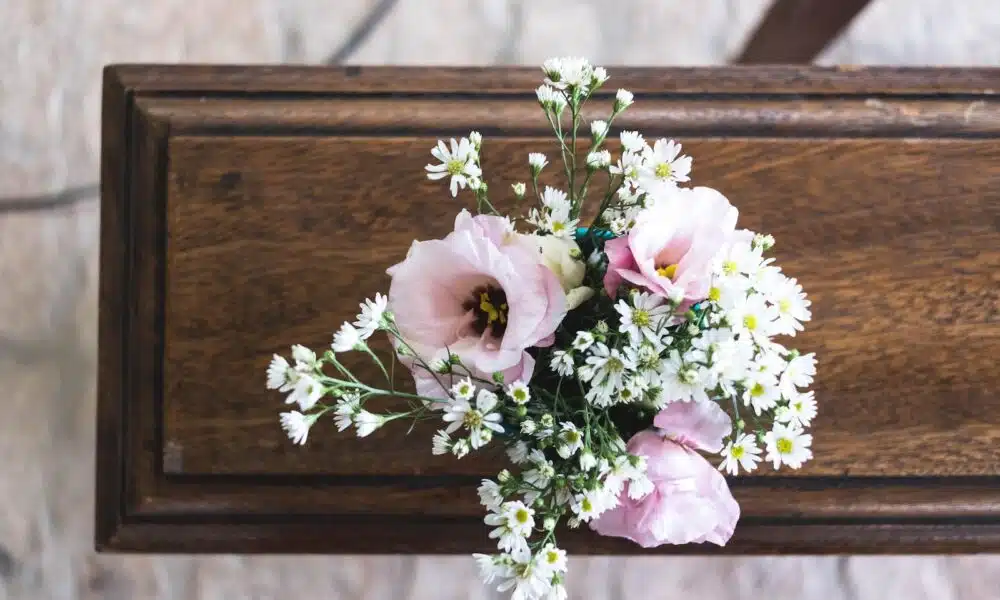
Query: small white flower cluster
x=574, y=481
x=647, y=173
x=307, y=383
x=555, y=216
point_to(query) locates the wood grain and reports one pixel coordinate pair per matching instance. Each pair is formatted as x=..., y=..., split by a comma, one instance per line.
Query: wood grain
x=248, y=209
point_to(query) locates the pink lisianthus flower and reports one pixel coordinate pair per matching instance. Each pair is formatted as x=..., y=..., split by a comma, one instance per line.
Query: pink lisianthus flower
x=669, y=250
x=690, y=500
x=481, y=294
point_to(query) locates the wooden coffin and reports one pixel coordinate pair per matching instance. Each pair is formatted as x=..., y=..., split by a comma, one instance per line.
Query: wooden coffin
x=246, y=209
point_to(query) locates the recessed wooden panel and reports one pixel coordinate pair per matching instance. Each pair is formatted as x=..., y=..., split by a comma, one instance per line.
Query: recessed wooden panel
x=245, y=210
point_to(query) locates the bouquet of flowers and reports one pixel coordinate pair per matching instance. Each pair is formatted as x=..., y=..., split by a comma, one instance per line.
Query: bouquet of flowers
x=608, y=353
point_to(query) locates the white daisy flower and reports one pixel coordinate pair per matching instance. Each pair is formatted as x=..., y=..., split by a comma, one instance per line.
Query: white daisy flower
x=306, y=392
x=665, y=165
x=570, y=439
x=441, y=444
x=551, y=99
x=599, y=159
x=296, y=426
x=798, y=373
x=569, y=72
x=562, y=363
x=518, y=453
x=801, y=409
x=371, y=317
x=527, y=580
x=608, y=367
x=478, y=419
x=464, y=389
x=519, y=392
x=528, y=427
x=348, y=405
x=491, y=567
x=460, y=448
x=598, y=77
x=537, y=162
x=680, y=381
x=305, y=359
x=740, y=453
x=787, y=445
x=761, y=392
x=278, y=373
x=477, y=139
x=347, y=338
x=583, y=340
x=588, y=461
x=752, y=316
x=598, y=129
x=518, y=188
x=632, y=142
x=367, y=422
x=513, y=522
x=793, y=308
x=459, y=162
x=587, y=505
x=560, y=224
x=646, y=318
x=490, y=495
x=557, y=592
x=623, y=99
x=552, y=559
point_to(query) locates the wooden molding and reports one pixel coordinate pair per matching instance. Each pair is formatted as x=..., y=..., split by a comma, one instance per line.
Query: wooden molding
x=248, y=208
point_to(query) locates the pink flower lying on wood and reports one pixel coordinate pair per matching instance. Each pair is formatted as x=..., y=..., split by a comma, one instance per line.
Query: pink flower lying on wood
x=670, y=249
x=480, y=293
x=690, y=500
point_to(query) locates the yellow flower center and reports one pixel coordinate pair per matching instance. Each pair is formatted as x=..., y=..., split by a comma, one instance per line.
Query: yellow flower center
x=552, y=557
x=757, y=390
x=784, y=305
x=663, y=170
x=558, y=226
x=737, y=452
x=715, y=294
x=455, y=166
x=668, y=271
x=641, y=318
x=729, y=267
x=522, y=516
x=586, y=505
x=572, y=437
x=784, y=445
x=473, y=419
x=520, y=395
x=797, y=406
x=750, y=322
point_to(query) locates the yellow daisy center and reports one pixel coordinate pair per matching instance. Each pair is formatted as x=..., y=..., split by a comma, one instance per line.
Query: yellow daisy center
x=757, y=390
x=663, y=170
x=784, y=445
x=750, y=322
x=455, y=166
x=737, y=451
x=729, y=267
x=715, y=294
x=522, y=516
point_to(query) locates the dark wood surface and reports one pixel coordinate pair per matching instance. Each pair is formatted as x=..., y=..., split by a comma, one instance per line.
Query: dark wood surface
x=245, y=209
x=796, y=31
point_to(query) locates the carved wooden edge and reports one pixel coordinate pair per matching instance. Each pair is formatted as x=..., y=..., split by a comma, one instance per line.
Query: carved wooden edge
x=745, y=80
x=139, y=508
